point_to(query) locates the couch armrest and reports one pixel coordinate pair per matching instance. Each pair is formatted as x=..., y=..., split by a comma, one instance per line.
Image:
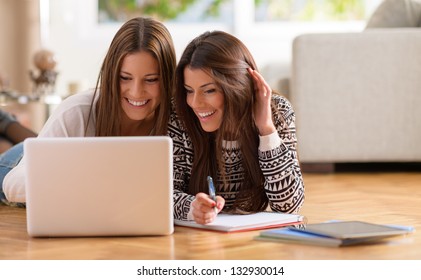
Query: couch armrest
x=357, y=96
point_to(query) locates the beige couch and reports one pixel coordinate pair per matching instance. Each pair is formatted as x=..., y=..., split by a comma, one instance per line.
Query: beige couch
x=357, y=96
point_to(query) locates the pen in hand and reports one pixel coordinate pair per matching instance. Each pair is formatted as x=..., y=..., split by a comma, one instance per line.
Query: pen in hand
x=212, y=192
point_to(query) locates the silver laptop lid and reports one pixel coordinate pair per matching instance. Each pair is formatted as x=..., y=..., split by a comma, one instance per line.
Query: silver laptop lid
x=99, y=186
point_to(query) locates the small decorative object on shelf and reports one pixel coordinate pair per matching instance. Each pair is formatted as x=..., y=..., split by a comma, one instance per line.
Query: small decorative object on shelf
x=44, y=81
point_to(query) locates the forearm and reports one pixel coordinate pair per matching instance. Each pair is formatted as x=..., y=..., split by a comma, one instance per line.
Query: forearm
x=182, y=205
x=284, y=184
x=16, y=132
x=181, y=176
x=182, y=169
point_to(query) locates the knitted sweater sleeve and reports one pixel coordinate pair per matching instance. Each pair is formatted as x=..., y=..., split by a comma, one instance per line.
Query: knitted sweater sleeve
x=182, y=164
x=279, y=162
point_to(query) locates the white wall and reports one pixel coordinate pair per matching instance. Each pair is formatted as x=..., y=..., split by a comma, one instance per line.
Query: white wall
x=80, y=43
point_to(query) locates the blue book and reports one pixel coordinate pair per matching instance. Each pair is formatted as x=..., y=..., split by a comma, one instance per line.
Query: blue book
x=334, y=234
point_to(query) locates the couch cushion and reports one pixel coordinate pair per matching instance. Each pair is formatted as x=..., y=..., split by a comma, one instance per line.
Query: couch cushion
x=396, y=13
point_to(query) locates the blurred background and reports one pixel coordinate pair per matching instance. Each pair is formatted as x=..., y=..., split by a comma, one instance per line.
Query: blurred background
x=78, y=32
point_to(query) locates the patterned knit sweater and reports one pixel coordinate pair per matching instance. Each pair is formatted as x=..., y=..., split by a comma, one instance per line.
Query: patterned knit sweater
x=277, y=158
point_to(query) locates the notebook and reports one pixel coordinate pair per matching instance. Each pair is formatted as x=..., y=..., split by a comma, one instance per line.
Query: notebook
x=99, y=186
x=256, y=221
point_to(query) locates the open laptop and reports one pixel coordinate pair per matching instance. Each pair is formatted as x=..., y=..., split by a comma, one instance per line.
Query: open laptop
x=99, y=186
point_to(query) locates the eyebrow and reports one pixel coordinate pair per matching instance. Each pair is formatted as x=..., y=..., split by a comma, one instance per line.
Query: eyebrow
x=128, y=73
x=202, y=86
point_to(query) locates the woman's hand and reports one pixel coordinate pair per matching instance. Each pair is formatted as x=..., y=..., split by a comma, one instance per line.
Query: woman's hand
x=205, y=209
x=262, y=110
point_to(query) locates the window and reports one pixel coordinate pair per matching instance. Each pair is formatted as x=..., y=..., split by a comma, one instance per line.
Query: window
x=309, y=10
x=166, y=10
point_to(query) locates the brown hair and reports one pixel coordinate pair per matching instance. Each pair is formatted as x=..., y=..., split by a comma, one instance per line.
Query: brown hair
x=226, y=59
x=137, y=34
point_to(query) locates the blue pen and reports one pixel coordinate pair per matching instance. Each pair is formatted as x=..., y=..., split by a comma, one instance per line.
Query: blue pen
x=212, y=191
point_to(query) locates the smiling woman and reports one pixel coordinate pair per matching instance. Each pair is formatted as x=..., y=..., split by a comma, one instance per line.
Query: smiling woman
x=132, y=96
x=238, y=133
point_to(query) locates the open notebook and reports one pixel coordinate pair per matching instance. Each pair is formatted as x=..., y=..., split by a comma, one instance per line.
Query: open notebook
x=235, y=223
x=99, y=186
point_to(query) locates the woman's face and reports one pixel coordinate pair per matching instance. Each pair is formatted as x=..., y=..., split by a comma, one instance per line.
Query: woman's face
x=205, y=98
x=139, y=85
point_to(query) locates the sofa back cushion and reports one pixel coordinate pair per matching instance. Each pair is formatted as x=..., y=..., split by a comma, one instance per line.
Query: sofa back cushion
x=396, y=13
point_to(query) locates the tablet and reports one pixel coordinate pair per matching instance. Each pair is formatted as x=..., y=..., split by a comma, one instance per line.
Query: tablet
x=352, y=229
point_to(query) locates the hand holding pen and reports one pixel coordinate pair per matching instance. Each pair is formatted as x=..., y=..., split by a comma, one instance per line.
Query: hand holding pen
x=206, y=207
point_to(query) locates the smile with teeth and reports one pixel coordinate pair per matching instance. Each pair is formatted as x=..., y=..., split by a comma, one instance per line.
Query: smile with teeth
x=137, y=103
x=205, y=114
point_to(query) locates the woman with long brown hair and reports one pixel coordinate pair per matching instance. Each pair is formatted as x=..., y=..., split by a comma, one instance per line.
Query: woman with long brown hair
x=238, y=132
x=132, y=96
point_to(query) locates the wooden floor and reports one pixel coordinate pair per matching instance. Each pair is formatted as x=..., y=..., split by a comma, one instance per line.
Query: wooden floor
x=385, y=198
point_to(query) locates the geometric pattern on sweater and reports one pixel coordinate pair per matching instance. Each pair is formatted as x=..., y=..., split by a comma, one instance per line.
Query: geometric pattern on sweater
x=283, y=185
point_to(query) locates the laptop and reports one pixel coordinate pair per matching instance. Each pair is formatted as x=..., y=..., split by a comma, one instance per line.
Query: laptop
x=99, y=186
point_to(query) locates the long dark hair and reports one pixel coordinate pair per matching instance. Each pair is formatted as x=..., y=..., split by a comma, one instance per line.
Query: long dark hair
x=137, y=34
x=226, y=59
